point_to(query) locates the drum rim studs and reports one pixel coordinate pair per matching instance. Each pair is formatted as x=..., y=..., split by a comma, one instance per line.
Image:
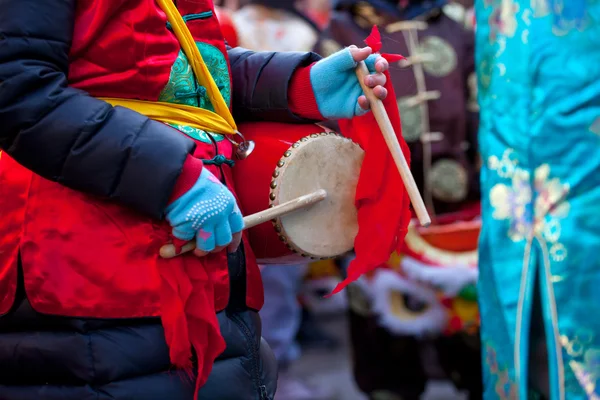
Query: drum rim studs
x=277, y=225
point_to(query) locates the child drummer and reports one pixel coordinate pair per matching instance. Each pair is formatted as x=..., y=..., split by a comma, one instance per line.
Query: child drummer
x=86, y=179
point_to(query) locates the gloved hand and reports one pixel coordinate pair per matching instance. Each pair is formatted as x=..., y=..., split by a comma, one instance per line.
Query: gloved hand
x=207, y=211
x=336, y=87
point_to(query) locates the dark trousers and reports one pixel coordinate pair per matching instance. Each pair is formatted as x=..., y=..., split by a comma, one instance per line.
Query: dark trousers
x=55, y=358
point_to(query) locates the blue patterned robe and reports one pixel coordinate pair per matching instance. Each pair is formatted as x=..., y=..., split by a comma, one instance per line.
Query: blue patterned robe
x=539, y=93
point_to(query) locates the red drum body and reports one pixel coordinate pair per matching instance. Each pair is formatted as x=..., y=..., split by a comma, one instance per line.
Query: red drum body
x=290, y=161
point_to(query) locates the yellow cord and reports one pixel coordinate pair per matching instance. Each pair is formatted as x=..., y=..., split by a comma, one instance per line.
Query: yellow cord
x=220, y=121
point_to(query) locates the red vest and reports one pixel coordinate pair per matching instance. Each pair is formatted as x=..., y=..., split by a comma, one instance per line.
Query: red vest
x=83, y=256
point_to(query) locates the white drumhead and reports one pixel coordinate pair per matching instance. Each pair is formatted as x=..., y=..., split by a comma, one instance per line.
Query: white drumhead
x=321, y=161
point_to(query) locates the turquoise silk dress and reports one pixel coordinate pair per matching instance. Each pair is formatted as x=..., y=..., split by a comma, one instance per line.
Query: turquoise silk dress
x=539, y=93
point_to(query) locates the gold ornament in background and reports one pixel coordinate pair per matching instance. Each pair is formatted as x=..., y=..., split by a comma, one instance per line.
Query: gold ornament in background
x=330, y=46
x=411, y=117
x=449, y=181
x=445, y=59
x=366, y=16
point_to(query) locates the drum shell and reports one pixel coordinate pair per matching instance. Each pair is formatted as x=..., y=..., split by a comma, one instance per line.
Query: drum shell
x=252, y=179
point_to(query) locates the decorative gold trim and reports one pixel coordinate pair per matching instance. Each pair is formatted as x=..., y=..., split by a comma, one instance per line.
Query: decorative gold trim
x=519, y=322
x=449, y=181
x=554, y=313
x=274, y=184
x=446, y=60
x=416, y=243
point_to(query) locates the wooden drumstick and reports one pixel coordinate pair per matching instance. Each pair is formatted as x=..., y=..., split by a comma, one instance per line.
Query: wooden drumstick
x=169, y=250
x=383, y=120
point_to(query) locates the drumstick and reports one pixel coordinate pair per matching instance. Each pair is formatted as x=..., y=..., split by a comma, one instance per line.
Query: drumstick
x=383, y=120
x=169, y=250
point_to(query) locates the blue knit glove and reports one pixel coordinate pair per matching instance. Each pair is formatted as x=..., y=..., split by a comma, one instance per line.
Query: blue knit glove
x=336, y=86
x=208, y=211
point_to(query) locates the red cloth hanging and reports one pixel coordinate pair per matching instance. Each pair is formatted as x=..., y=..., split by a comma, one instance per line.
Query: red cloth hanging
x=381, y=199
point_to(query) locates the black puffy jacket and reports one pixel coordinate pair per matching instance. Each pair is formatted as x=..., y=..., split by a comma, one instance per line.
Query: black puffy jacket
x=55, y=358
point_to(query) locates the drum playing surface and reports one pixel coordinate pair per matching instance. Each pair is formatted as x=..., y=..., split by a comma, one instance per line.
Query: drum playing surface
x=325, y=161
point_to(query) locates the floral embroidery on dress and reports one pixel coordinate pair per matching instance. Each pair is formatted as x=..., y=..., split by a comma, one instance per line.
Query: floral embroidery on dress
x=513, y=202
x=568, y=15
x=584, y=363
x=488, y=3
x=504, y=386
x=503, y=20
x=484, y=73
x=541, y=8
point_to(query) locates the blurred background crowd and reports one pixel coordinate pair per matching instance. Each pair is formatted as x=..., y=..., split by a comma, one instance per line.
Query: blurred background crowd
x=409, y=330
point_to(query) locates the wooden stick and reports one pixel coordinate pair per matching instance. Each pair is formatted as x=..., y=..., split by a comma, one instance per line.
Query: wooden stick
x=383, y=120
x=169, y=250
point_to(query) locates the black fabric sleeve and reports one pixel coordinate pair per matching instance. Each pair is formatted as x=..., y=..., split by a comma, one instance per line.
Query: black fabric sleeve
x=64, y=134
x=261, y=81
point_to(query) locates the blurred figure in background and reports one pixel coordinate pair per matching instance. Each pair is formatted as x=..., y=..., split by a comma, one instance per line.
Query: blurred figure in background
x=227, y=26
x=275, y=25
x=462, y=11
x=230, y=5
x=318, y=10
x=282, y=317
x=432, y=86
x=416, y=318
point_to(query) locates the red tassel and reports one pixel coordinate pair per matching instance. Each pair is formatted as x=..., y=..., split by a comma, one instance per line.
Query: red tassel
x=188, y=315
x=374, y=42
x=374, y=39
x=381, y=200
x=392, y=58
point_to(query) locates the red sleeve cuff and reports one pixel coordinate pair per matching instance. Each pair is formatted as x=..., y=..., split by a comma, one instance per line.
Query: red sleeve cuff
x=192, y=168
x=301, y=97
